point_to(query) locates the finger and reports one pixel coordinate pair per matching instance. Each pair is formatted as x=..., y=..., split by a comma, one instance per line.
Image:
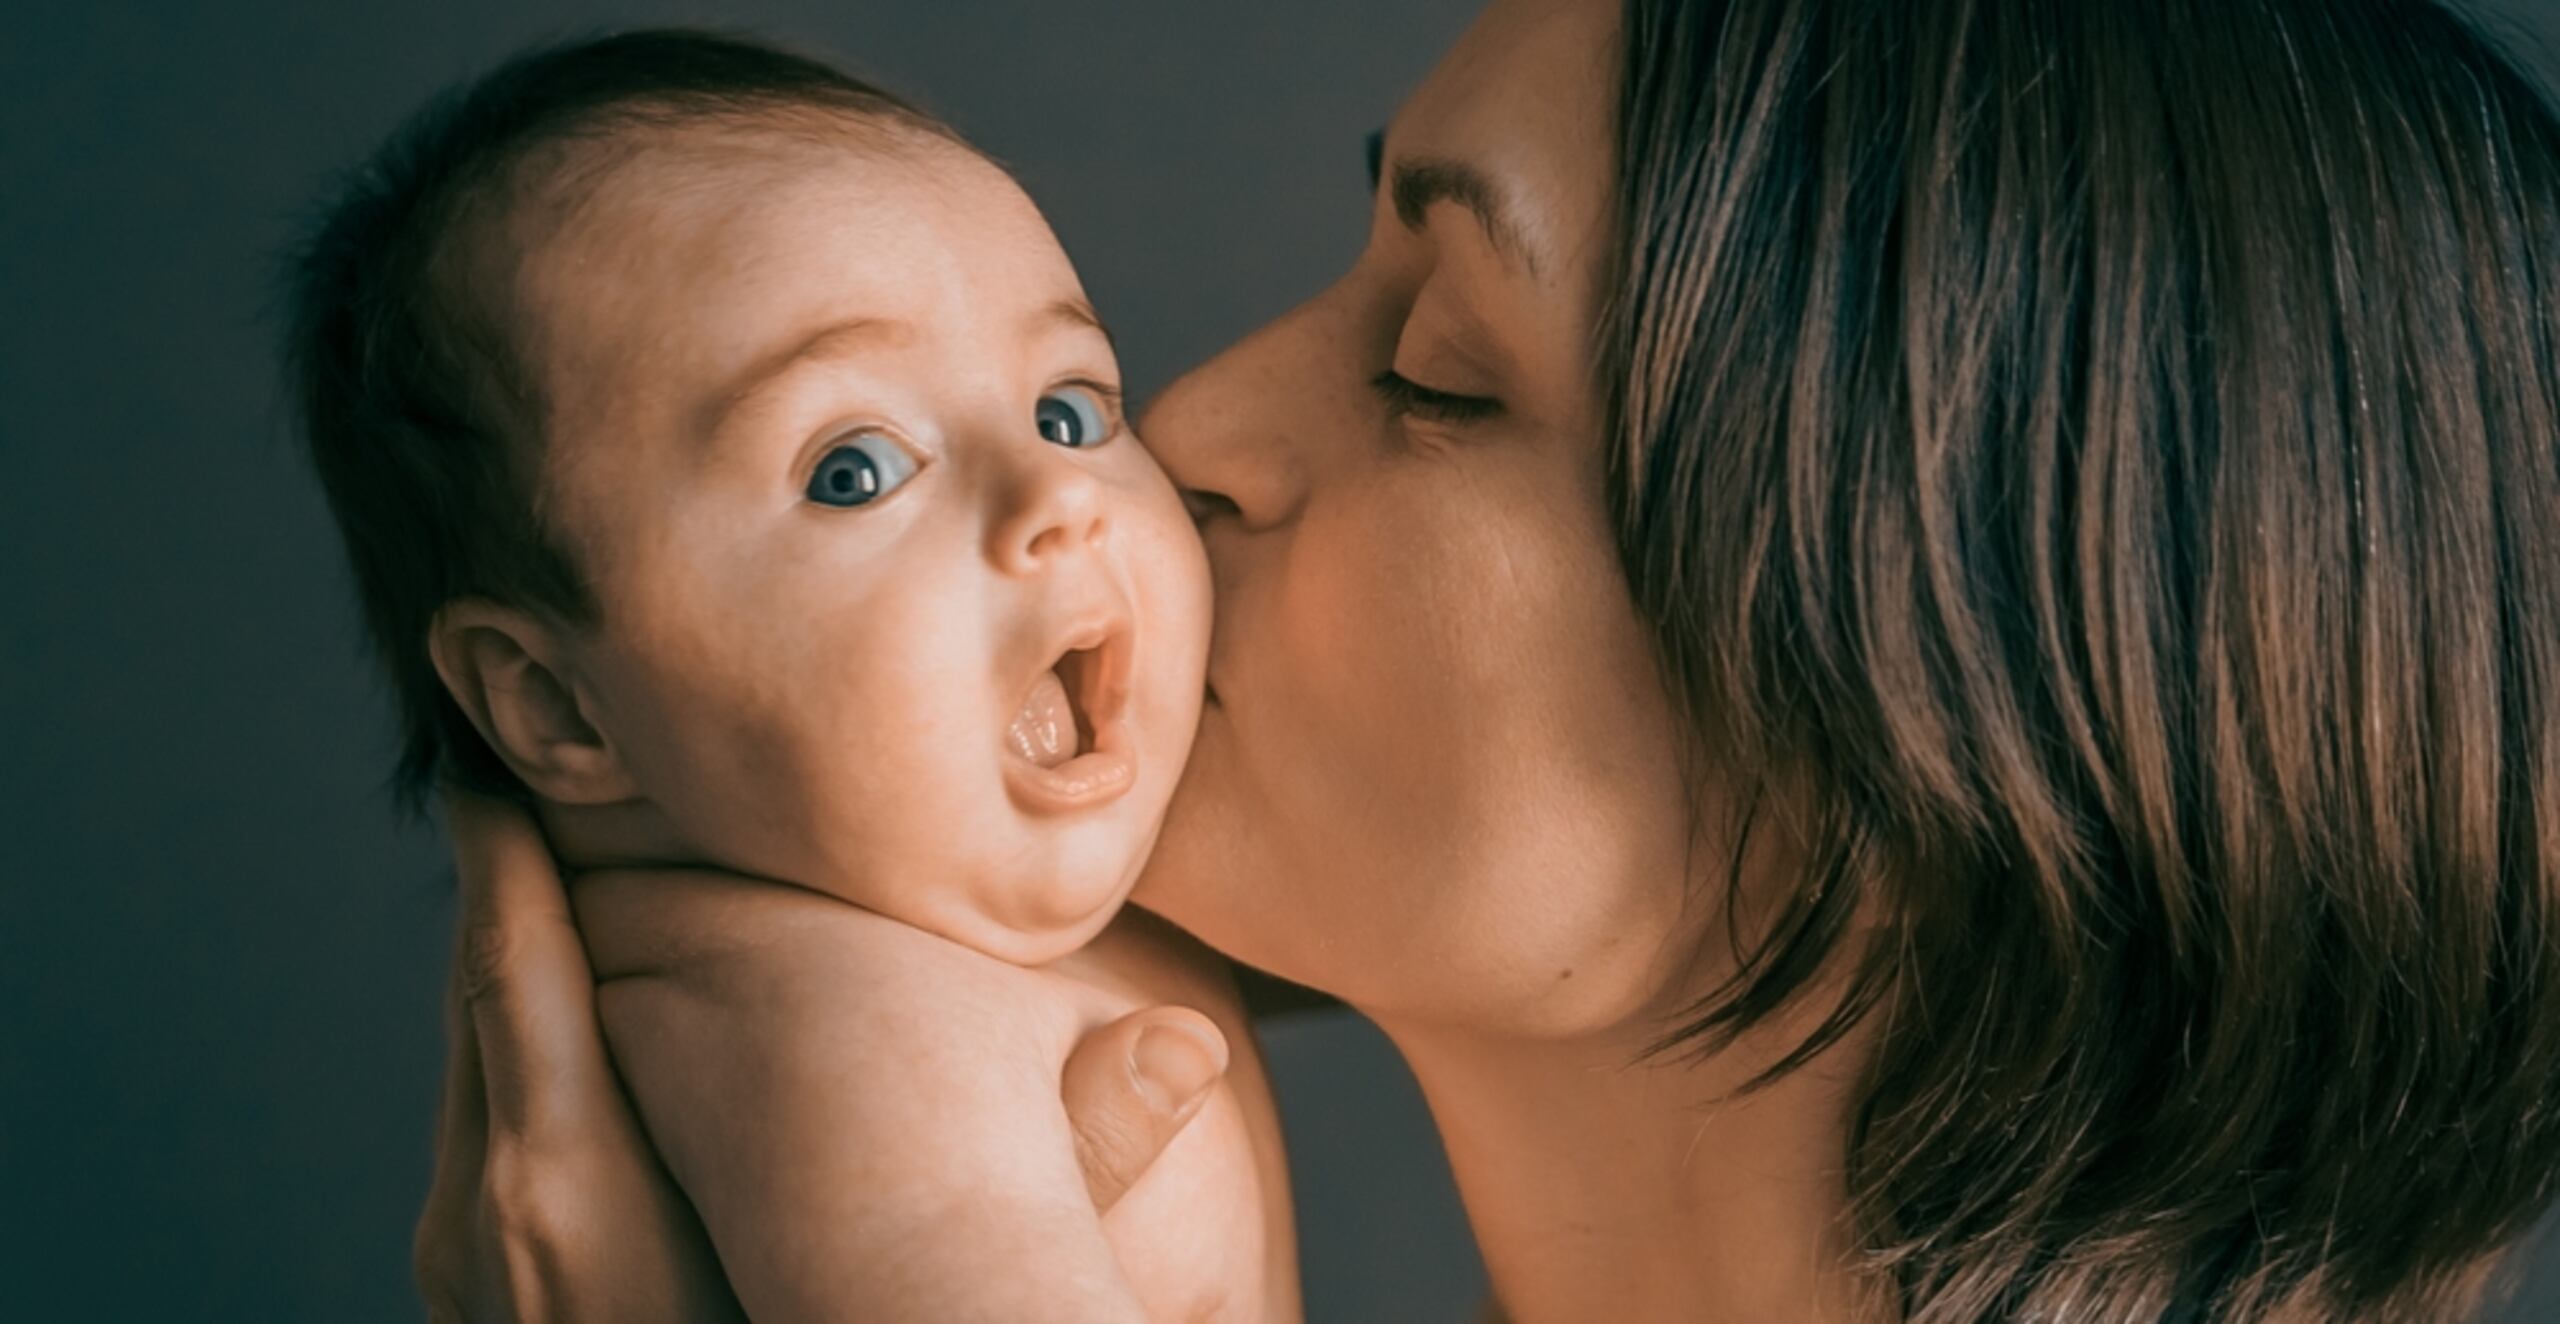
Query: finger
x=1131, y=1086
x=464, y=1113
x=462, y=1118
x=522, y=976
x=442, y=1242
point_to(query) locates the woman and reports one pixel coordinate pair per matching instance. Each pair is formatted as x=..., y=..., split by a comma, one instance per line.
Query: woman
x=1908, y=649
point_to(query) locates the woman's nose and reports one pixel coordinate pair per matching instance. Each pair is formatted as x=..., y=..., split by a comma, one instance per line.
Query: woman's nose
x=1052, y=508
x=1233, y=432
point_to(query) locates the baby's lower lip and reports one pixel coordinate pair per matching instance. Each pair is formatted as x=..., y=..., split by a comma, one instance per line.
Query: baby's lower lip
x=1069, y=746
x=1087, y=781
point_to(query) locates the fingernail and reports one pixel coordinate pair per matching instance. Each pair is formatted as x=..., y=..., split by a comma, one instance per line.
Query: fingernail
x=1174, y=1064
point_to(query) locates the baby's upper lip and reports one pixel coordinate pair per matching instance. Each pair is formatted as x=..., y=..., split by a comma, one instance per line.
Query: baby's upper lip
x=1106, y=632
x=1102, y=691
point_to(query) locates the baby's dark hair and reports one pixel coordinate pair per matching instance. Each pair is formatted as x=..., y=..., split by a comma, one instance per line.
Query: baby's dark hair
x=420, y=416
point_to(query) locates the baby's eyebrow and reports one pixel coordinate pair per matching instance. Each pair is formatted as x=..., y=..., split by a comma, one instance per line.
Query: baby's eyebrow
x=838, y=340
x=1074, y=312
x=832, y=341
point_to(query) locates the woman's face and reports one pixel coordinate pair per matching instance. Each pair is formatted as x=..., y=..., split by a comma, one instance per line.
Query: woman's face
x=1437, y=775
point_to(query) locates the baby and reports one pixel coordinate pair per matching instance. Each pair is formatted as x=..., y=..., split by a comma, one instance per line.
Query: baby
x=734, y=470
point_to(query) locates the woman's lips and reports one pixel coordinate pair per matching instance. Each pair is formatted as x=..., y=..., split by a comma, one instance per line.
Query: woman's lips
x=1067, y=747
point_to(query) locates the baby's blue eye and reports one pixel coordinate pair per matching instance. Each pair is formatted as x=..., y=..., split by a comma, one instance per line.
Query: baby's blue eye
x=859, y=470
x=1072, y=416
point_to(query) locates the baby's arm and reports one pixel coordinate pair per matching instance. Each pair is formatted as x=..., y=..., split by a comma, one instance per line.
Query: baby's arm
x=866, y=1116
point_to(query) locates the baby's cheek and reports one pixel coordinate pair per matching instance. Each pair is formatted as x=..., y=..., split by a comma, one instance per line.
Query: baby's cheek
x=1164, y=543
x=1177, y=605
x=742, y=730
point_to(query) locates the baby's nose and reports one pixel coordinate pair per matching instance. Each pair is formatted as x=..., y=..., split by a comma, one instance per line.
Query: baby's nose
x=1054, y=509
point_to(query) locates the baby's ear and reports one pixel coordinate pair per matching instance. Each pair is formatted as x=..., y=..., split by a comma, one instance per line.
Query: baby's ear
x=513, y=677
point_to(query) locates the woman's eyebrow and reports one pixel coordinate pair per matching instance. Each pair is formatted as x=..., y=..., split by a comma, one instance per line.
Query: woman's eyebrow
x=1420, y=183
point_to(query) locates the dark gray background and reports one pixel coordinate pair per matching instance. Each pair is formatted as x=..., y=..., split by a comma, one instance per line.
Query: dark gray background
x=219, y=952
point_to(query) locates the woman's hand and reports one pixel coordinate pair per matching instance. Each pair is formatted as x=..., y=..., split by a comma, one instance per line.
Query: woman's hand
x=548, y=1203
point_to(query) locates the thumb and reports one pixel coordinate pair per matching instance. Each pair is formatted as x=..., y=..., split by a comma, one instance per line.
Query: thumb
x=1130, y=1088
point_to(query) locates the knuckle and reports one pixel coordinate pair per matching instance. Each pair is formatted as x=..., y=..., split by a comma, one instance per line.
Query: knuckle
x=480, y=958
x=431, y=1265
x=531, y=1205
x=1109, y=1132
x=427, y=1265
x=1106, y=1146
x=431, y=1242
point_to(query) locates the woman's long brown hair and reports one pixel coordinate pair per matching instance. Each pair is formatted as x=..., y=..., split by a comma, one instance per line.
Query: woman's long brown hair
x=2096, y=468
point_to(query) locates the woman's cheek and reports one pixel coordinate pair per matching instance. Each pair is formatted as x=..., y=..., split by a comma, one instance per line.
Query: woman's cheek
x=1513, y=632
x=1492, y=751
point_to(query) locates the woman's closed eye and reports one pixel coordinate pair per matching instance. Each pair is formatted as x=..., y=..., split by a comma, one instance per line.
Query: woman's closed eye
x=1406, y=398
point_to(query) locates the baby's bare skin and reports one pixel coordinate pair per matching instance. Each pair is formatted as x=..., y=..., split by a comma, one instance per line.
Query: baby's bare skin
x=897, y=658
x=728, y=1001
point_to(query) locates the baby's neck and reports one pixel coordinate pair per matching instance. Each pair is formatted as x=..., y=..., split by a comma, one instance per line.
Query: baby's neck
x=628, y=835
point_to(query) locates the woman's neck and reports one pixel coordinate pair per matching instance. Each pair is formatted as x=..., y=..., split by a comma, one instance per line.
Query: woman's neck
x=1602, y=1187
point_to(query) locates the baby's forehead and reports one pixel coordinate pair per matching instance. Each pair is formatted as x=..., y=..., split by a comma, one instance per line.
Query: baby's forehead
x=649, y=282
x=654, y=183
x=720, y=229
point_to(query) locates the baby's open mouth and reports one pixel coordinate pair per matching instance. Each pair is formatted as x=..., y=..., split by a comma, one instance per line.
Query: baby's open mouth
x=1066, y=742
x=1056, y=721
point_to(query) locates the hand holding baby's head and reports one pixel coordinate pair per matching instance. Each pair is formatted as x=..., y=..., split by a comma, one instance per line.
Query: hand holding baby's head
x=733, y=466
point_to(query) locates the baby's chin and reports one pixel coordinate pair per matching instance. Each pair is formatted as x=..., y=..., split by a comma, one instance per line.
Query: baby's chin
x=1033, y=918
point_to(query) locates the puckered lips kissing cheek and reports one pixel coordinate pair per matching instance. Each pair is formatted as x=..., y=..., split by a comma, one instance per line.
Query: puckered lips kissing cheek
x=1068, y=745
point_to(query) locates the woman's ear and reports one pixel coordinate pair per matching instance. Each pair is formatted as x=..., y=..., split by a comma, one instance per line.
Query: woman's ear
x=511, y=674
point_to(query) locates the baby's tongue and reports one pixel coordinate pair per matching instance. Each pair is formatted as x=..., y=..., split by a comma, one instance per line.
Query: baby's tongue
x=1044, y=732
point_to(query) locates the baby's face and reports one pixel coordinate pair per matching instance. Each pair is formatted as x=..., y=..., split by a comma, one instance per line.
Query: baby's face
x=893, y=606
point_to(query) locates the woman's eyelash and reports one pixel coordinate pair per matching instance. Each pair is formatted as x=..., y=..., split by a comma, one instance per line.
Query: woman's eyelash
x=1408, y=398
